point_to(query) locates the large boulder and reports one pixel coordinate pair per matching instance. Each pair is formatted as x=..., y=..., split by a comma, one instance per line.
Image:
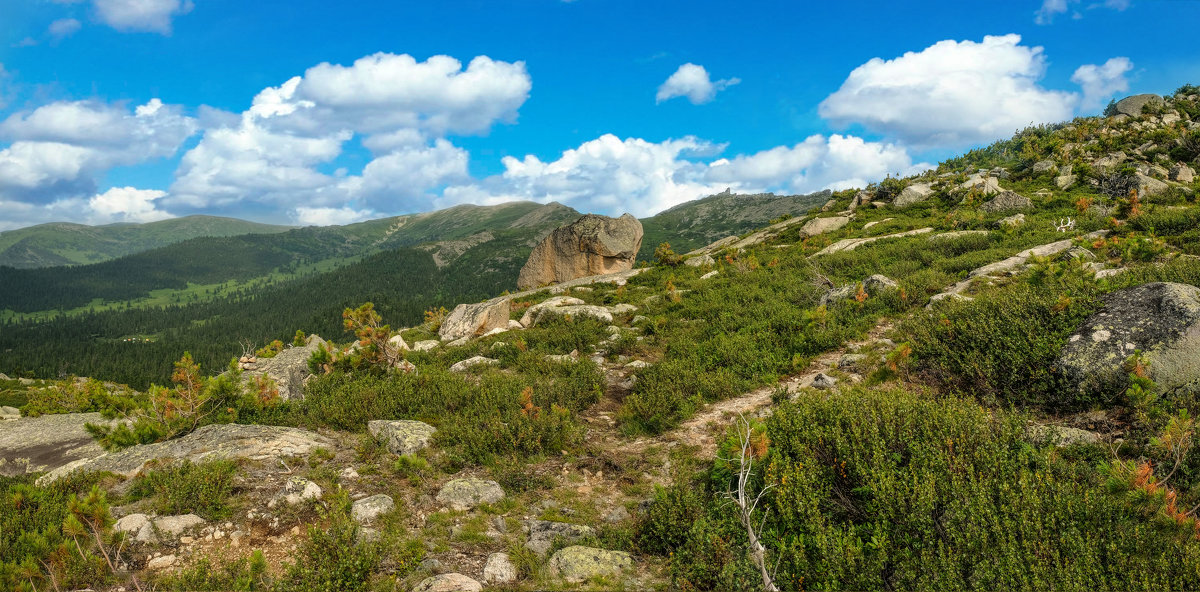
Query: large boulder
x=983, y=184
x=578, y=564
x=402, y=436
x=592, y=245
x=1132, y=106
x=210, y=442
x=1006, y=201
x=914, y=193
x=1182, y=173
x=288, y=368
x=818, y=226
x=473, y=320
x=1162, y=320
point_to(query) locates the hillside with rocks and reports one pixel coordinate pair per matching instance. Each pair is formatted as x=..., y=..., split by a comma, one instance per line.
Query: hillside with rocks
x=984, y=376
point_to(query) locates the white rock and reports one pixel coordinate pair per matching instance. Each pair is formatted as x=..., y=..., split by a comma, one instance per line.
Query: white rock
x=368, y=509
x=471, y=362
x=499, y=569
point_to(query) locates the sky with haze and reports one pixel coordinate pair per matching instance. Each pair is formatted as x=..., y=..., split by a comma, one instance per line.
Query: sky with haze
x=311, y=112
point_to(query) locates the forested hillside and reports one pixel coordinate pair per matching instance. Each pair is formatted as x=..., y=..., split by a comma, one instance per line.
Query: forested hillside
x=61, y=243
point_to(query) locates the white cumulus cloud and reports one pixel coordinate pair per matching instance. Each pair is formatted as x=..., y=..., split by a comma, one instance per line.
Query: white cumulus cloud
x=692, y=81
x=306, y=216
x=610, y=175
x=127, y=204
x=58, y=150
x=1051, y=8
x=951, y=94
x=1100, y=82
x=152, y=16
x=400, y=108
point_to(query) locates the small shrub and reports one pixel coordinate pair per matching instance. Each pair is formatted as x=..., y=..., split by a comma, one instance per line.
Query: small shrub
x=188, y=488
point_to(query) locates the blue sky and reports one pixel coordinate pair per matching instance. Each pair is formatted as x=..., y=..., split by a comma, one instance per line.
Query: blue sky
x=307, y=112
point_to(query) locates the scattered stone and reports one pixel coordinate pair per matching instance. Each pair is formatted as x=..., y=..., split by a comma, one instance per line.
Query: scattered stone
x=982, y=184
x=1012, y=221
x=349, y=473
x=1132, y=106
x=824, y=381
x=160, y=563
x=288, y=369
x=403, y=436
x=1182, y=173
x=542, y=534
x=471, y=362
x=1064, y=182
x=1148, y=186
x=709, y=275
x=564, y=306
x=426, y=345
x=1110, y=160
x=210, y=442
x=818, y=226
x=874, y=222
x=9, y=413
x=448, y=582
x=397, y=342
x=618, y=514
x=1006, y=201
x=499, y=569
x=1044, y=166
x=1160, y=319
x=298, y=489
x=1061, y=436
x=914, y=193
x=1077, y=253
x=621, y=309
x=577, y=564
x=466, y=494
x=592, y=245
x=637, y=364
x=851, y=362
x=701, y=261
x=368, y=509
x=871, y=286
x=474, y=320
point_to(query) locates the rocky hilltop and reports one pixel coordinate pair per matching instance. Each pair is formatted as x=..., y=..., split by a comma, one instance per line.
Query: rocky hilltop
x=945, y=381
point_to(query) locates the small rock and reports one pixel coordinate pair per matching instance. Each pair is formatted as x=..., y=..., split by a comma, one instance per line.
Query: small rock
x=499, y=569
x=1006, y=201
x=1064, y=181
x=349, y=473
x=298, y=489
x=175, y=525
x=701, y=261
x=1182, y=173
x=1015, y=220
x=368, y=509
x=577, y=564
x=1062, y=436
x=711, y=274
x=426, y=345
x=542, y=534
x=160, y=563
x=448, y=582
x=465, y=494
x=617, y=514
x=401, y=436
x=471, y=362
x=824, y=381
x=1044, y=166
x=623, y=309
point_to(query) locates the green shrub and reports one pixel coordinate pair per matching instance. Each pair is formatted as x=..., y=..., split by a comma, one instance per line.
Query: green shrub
x=48, y=537
x=203, y=488
x=244, y=574
x=332, y=559
x=891, y=489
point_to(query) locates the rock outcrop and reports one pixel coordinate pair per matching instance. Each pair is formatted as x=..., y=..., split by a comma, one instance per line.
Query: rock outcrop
x=288, y=368
x=1162, y=320
x=1006, y=201
x=914, y=193
x=592, y=245
x=1132, y=106
x=564, y=306
x=35, y=444
x=217, y=441
x=448, y=582
x=473, y=320
x=542, y=534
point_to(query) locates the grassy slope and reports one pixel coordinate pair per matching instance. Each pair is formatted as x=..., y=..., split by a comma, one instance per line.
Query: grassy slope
x=700, y=222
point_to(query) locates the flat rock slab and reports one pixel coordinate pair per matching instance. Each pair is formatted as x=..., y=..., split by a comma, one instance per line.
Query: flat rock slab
x=402, y=436
x=35, y=444
x=448, y=582
x=221, y=441
x=465, y=494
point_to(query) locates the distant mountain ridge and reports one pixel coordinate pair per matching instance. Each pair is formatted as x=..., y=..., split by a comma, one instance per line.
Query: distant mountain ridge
x=64, y=243
x=699, y=222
